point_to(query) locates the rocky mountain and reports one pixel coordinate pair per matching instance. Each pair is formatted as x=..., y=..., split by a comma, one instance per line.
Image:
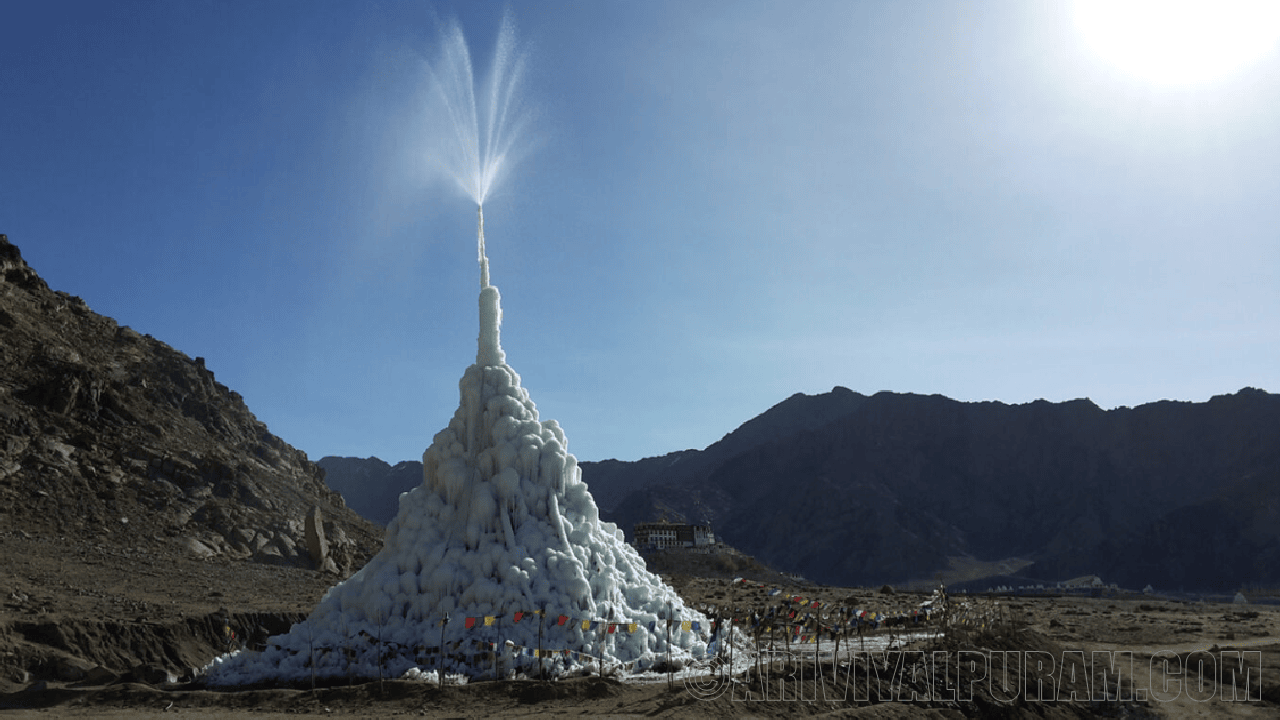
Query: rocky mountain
x=849, y=489
x=113, y=437
x=370, y=486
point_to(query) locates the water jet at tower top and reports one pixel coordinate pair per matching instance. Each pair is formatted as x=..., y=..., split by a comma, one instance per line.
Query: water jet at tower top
x=501, y=529
x=479, y=129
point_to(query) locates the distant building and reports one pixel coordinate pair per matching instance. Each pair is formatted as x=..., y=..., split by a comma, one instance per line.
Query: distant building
x=664, y=535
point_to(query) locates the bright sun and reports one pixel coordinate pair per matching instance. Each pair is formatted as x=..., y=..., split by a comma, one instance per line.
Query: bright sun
x=1180, y=42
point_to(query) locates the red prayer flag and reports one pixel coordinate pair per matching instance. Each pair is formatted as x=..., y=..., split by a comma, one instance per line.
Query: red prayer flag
x=562, y=620
x=518, y=616
x=469, y=623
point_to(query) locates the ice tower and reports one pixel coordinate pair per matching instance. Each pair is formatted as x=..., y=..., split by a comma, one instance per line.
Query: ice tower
x=501, y=549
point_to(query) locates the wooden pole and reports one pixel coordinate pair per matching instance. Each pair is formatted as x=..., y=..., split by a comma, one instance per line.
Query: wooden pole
x=670, y=613
x=728, y=635
x=381, y=621
x=346, y=648
x=759, y=626
x=786, y=636
x=604, y=634
x=817, y=638
x=541, y=616
x=440, y=660
x=311, y=643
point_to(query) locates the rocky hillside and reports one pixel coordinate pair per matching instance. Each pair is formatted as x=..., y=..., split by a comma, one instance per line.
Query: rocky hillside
x=115, y=438
x=370, y=486
x=849, y=489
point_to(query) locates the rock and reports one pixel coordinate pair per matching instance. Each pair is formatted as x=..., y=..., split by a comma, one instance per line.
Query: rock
x=99, y=423
x=317, y=545
x=152, y=674
x=198, y=548
x=70, y=669
x=99, y=675
x=270, y=553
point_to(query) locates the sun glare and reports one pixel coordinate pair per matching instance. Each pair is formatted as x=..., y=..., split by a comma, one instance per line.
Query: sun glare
x=1180, y=42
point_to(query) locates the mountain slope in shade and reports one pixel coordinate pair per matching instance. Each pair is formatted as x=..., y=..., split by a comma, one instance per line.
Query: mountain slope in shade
x=849, y=489
x=892, y=486
x=370, y=486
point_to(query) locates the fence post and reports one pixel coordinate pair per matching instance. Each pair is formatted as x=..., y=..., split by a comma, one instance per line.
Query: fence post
x=440, y=660
x=499, y=672
x=542, y=615
x=346, y=648
x=311, y=644
x=381, y=624
x=670, y=613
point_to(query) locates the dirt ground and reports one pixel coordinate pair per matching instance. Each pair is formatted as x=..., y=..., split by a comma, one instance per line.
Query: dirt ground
x=81, y=623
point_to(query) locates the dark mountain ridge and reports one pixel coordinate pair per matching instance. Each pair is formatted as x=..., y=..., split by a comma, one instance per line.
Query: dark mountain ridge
x=370, y=486
x=850, y=489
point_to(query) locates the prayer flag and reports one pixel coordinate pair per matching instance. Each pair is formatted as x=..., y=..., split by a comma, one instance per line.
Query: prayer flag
x=612, y=627
x=685, y=625
x=469, y=623
x=518, y=616
x=631, y=628
x=652, y=625
x=586, y=624
x=489, y=620
x=562, y=619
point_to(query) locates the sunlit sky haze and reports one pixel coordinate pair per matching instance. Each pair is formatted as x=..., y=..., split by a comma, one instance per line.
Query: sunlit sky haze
x=721, y=204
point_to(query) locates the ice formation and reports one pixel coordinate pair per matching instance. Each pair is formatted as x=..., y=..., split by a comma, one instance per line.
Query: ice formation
x=500, y=550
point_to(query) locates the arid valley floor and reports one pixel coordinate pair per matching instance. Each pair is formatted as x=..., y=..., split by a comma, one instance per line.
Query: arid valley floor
x=82, y=625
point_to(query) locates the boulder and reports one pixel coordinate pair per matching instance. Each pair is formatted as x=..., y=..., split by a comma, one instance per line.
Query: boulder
x=198, y=548
x=99, y=675
x=152, y=674
x=69, y=669
x=317, y=545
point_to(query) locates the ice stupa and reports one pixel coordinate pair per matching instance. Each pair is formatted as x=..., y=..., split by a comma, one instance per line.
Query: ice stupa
x=499, y=557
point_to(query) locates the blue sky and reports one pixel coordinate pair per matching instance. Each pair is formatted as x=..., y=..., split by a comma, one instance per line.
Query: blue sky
x=724, y=203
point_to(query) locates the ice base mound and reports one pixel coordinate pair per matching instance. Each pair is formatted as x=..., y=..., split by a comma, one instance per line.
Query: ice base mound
x=497, y=562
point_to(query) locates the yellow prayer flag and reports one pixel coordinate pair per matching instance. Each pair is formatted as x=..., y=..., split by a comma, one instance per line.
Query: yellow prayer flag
x=586, y=624
x=686, y=625
x=489, y=619
x=632, y=627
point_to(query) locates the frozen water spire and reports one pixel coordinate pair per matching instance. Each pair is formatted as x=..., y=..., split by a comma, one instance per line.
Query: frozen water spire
x=501, y=525
x=490, y=351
